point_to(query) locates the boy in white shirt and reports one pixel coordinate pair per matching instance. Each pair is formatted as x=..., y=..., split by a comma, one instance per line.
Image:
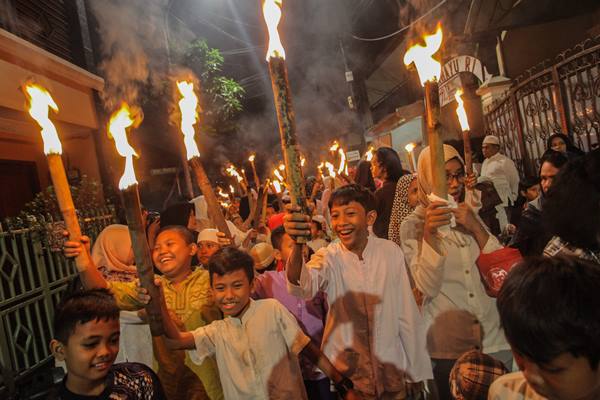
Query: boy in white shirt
x=374, y=333
x=257, y=344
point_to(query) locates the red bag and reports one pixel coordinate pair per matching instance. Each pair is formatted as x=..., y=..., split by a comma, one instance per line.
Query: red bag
x=494, y=267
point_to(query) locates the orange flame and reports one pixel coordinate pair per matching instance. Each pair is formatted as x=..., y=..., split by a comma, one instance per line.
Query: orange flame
x=272, y=14
x=252, y=158
x=410, y=147
x=277, y=186
x=278, y=174
x=119, y=122
x=231, y=171
x=335, y=146
x=343, y=168
x=427, y=67
x=331, y=169
x=369, y=154
x=302, y=161
x=231, y=189
x=460, y=111
x=188, y=105
x=222, y=193
x=40, y=101
x=282, y=167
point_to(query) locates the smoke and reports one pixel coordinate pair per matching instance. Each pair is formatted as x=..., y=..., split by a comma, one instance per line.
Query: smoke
x=133, y=47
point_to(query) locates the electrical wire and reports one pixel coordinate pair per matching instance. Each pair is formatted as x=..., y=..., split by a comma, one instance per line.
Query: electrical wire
x=441, y=3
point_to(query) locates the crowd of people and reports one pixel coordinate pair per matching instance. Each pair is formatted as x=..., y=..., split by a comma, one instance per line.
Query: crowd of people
x=381, y=291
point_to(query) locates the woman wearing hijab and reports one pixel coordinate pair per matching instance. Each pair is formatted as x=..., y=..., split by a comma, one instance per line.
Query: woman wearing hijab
x=387, y=167
x=113, y=254
x=563, y=144
x=442, y=246
x=405, y=201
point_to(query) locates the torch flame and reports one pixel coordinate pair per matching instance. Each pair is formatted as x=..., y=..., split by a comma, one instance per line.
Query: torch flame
x=343, y=167
x=119, y=122
x=231, y=171
x=427, y=68
x=410, y=147
x=252, y=158
x=282, y=167
x=302, y=161
x=39, y=102
x=231, y=189
x=277, y=186
x=272, y=15
x=460, y=111
x=331, y=169
x=369, y=154
x=222, y=193
x=188, y=106
x=334, y=147
x=278, y=174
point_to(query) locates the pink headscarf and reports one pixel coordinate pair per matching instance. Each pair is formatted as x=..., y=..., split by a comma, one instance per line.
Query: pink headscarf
x=113, y=249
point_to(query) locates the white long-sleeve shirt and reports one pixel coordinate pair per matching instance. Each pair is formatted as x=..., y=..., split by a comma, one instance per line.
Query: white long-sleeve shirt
x=451, y=284
x=502, y=172
x=374, y=333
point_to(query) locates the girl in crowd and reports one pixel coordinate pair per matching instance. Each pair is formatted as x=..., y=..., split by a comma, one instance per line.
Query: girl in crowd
x=563, y=144
x=387, y=167
x=405, y=202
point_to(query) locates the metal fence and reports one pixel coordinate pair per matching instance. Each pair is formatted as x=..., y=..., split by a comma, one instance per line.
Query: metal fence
x=563, y=97
x=33, y=277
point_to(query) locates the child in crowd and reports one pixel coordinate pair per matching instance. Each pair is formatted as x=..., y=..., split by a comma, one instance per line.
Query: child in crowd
x=188, y=298
x=472, y=375
x=263, y=255
x=209, y=241
x=257, y=345
x=86, y=338
x=310, y=314
x=374, y=332
x=317, y=233
x=549, y=311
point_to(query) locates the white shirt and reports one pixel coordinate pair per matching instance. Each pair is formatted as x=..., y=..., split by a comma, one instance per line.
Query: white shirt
x=257, y=354
x=502, y=172
x=374, y=332
x=512, y=387
x=451, y=282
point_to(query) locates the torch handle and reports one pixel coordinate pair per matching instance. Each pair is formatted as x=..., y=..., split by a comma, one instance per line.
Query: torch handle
x=468, y=152
x=143, y=257
x=287, y=132
x=436, y=145
x=65, y=201
x=256, y=180
x=212, y=204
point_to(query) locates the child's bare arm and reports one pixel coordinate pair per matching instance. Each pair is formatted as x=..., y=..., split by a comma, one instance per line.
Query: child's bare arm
x=342, y=384
x=91, y=278
x=296, y=225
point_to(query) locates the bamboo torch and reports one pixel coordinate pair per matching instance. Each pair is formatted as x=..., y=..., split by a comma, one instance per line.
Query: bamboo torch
x=466, y=131
x=256, y=180
x=119, y=122
x=283, y=106
x=188, y=106
x=40, y=101
x=429, y=72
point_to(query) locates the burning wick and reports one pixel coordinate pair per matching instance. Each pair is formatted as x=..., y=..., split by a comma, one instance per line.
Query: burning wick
x=231, y=171
x=302, y=161
x=272, y=16
x=343, y=169
x=422, y=56
x=119, y=122
x=188, y=106
x=334, y=147
x=369, y=154
x=231, y=189
x=40, y=102
x=461, y=112
x=278, y=175
x=277, y=186
x=330, y=169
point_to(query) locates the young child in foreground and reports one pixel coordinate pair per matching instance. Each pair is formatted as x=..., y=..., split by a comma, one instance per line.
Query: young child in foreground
x=86, y=338
x=374, y=332
x=189, y=300
x=550, y=314
x=257, y=345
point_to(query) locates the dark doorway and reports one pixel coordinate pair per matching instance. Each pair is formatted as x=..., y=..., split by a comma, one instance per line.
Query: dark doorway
x=19, y=184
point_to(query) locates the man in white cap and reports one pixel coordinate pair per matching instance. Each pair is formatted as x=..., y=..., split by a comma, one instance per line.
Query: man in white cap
x=502, y=172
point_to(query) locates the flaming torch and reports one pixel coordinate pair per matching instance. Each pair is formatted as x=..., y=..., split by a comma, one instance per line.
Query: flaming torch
x=283, y=106
x=410, y=148
x=117, y=126
x=464, y=125
x=188, y=106
x=369, y=154
x=278, y=175
x=40, y=101
x=429, y=72
x=343, y=168
x=256, y=180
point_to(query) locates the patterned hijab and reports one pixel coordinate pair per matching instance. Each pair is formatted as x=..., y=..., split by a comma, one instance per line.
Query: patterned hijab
x=400, y=209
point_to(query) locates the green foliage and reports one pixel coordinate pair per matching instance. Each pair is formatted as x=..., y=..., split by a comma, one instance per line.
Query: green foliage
x=220, y=97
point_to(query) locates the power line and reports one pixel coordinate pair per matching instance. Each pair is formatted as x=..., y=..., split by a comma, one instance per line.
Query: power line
x=441, y=3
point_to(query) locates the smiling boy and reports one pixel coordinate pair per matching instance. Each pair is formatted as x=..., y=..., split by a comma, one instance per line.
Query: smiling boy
x=188, y=298
x=86, y=338
x=374, y=333
x=257, y=345
x=549, y=311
